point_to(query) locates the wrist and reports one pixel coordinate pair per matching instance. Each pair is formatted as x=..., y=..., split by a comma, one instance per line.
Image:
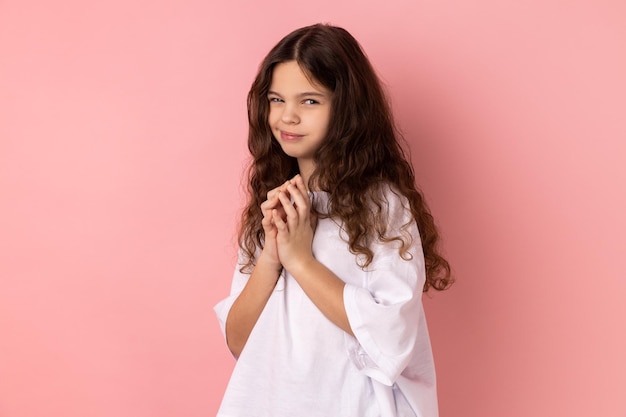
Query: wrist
x=301, y=265
x=266, y=261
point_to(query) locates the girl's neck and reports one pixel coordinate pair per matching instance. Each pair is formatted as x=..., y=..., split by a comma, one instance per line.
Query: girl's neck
x=306, y=168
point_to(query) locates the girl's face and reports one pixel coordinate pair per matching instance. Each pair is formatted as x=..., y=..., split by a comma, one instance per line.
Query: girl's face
x=299, y=113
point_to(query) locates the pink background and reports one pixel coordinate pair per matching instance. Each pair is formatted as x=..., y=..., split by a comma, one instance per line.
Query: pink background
x=122, y=140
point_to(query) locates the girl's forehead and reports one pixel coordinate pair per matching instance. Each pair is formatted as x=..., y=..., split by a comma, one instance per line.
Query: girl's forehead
x=290, y=76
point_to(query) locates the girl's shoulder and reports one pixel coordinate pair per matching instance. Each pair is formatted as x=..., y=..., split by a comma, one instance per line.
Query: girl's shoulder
x=393, y=223
x=390, y=209
x=320, y=201
x=383, y=201
x=389, y=197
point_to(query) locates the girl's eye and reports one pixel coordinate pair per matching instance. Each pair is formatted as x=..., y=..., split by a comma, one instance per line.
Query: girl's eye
x=275, y=100
x=310, y=101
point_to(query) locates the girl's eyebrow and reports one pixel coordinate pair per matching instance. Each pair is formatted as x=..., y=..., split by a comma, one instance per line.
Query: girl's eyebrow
x=307, y=93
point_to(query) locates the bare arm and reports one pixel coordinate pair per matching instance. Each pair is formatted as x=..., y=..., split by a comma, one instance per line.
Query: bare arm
x=248, y=306
x=324, y=288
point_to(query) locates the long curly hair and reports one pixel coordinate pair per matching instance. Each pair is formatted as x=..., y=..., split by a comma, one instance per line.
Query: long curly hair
x=359, y=155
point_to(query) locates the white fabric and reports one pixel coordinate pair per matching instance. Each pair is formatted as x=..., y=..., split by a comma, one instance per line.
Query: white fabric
x=298, y=363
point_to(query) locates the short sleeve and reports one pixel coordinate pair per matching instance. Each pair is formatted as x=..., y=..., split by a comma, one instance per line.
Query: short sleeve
x=238, y=283
x=384, y=314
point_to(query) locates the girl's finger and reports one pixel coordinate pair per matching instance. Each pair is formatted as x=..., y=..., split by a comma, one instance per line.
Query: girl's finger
x=302, y=201
x=269, y=204
x=288, y=207
x=313, y=221
x=301, y=185
x=272, y=202
x=304, y=189
x=273, y=192
x=268, y=221
x=278, y=222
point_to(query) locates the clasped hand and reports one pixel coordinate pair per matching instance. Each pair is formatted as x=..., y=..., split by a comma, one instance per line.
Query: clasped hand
x=289, y=225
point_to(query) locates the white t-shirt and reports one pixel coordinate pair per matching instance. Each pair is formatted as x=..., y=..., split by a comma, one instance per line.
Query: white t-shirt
x=297, y=363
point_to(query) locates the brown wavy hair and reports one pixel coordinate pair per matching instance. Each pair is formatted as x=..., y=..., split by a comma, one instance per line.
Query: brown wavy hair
x=360, y=154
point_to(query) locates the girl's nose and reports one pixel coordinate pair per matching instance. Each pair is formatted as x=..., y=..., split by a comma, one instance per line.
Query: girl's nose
x=290, y=115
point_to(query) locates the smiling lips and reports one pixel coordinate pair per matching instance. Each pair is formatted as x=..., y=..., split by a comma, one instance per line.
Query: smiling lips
x=289, y=137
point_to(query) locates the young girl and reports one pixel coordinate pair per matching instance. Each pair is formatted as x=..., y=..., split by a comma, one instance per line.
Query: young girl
x=325, y=313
